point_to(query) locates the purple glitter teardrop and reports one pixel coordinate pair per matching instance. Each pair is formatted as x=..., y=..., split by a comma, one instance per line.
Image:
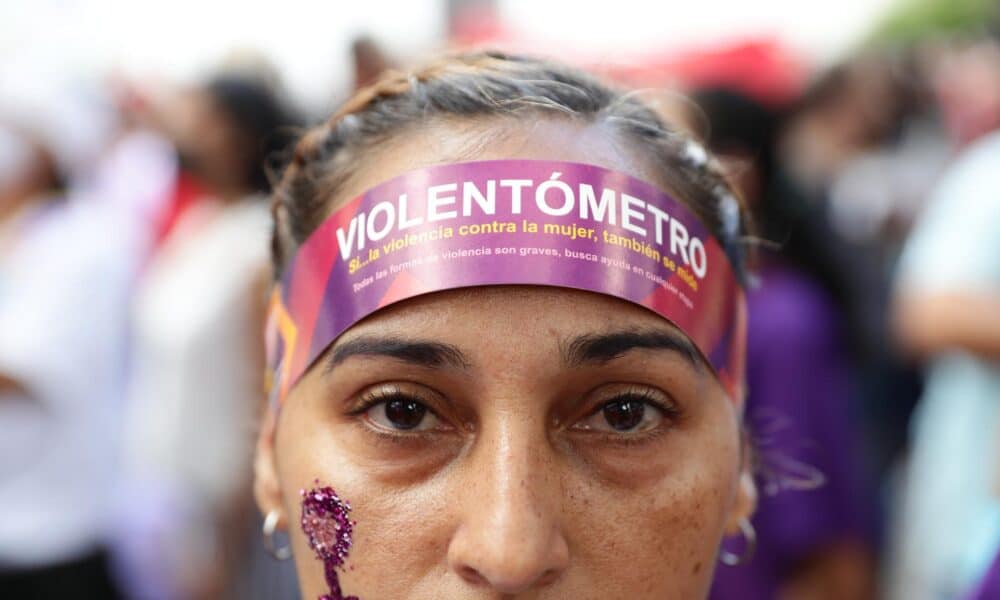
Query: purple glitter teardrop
x=327, y=527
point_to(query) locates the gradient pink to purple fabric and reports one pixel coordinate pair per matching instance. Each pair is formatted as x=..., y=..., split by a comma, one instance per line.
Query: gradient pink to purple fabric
x=327, y=287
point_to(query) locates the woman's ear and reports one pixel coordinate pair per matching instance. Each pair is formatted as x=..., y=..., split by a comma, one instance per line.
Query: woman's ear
x=746, y=493
x=267, y=486
x=746, y=502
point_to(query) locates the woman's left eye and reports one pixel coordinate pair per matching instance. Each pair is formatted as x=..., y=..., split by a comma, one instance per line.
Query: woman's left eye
x=402, y=414
x=625, y=414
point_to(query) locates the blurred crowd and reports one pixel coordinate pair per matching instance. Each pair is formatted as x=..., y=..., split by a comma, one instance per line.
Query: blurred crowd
x=134, y=232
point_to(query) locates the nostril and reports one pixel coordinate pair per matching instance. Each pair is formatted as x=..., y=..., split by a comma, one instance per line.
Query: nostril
x=472, y=576
x=508, y=583
x=547, y=578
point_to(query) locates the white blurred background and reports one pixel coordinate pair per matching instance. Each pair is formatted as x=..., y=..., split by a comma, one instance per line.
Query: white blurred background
x=303, y=38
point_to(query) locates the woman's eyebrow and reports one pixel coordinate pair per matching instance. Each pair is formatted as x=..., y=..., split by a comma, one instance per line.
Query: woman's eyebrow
x=602, y=347
x=422, y=353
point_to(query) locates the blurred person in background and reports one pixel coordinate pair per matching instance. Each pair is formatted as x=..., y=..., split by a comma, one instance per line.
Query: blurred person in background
x=65, y=273
x=947, y=312
x=857, y=151
x=197, y=369
x=814, y=518
x=370, y=60
x=962, y=74
x=989, y=587
x=850, y=108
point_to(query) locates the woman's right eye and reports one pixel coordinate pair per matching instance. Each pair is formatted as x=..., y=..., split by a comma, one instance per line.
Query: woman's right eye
x=402, y=414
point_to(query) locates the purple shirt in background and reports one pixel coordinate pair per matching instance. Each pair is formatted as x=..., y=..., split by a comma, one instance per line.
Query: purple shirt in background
x=989, y=589
x=799, y=409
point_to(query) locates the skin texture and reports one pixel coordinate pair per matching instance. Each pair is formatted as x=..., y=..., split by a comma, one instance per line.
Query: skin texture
x=929, y=324
x=517, y=487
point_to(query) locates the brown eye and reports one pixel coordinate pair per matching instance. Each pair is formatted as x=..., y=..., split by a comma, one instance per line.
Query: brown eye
x=635, y=411
x=624, y=415
x=399, y=411
x=405, y=414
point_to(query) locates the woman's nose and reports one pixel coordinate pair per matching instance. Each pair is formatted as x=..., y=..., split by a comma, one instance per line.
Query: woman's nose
x=509, y=537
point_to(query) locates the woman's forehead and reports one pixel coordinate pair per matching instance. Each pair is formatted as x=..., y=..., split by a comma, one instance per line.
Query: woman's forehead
x=481, y=314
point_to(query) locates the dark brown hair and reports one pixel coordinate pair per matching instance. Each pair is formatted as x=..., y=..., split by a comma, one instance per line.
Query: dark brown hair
x=483, y=85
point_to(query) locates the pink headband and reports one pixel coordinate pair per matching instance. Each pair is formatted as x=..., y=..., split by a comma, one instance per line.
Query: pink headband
x=506, y=222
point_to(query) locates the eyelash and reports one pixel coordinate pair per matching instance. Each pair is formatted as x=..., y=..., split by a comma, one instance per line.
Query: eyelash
x=647, y=396
x=379, y=395
x=384, y=395
x=672, y=415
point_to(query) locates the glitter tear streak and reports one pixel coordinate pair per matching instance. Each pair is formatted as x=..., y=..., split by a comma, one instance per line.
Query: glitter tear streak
x=329, y=531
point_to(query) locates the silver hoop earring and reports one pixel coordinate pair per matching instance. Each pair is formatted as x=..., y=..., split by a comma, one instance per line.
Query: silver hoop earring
x=731, y=559
x=269, y=529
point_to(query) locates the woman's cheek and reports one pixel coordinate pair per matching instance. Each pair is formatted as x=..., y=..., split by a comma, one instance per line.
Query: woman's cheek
x=405, y=540
x=662, y=549
x=691, y=517
x=686, y=533
x=399, y=537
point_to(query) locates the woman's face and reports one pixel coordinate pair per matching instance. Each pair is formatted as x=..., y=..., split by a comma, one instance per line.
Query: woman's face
x=210, y=140
x=506, y=442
